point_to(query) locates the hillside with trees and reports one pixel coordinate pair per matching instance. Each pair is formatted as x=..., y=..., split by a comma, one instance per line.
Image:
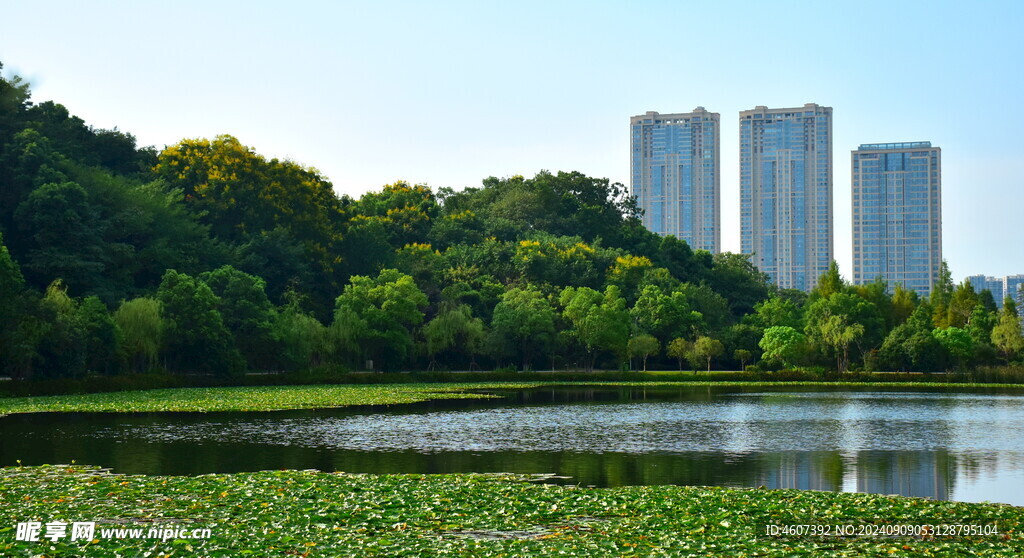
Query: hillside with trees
x=207, y=257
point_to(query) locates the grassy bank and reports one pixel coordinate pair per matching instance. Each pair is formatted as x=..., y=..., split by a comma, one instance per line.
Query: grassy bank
x=307, y=513
x=274, y=398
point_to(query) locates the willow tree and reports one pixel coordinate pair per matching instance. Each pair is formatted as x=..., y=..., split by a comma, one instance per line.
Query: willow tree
x=374, y=317
x=454, y=328
x=142, y=331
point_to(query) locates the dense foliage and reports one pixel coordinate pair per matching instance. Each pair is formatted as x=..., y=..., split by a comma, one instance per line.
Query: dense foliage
x=209, y=258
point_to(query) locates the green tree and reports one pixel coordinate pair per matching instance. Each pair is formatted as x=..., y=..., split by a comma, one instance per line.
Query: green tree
x=707, y=349
x=22, y=326
x=666, y=316
x=196, y=338
x=1006, y=335
x=375, y=316
x=242, y=192
x=926, y=353
x=14, y=102
x=643, y=346
x=987, y=301
x=739, y=281
x=11, y=286
x=406, y=211
x=600, y=322
x=101, y=336
x=525, y=318
x=423, y=263
x=876, y=292
x=902, y=304
x=839, y=334
x=304, y=341
x=142, y=330
x=239, y=194
x=893, y=353
x=957, y=342
x=366, y=246
x=64, y=237
x=911, y=345
x=26, y=162
x=980, y=325
x=961, y=305
x=682, y=262
x=562, y=204
x=464, y=227
x=830, y=282
x=567, y=260
x=627, y=273
x=680, y=349
x=712, y=306
x=247, y=313
x=777, y=311
x=454, y=328
x=839, y=320
x=280, y=260
x=783, y=344
x=743, y=356
x=62, y=353
x=942, y=293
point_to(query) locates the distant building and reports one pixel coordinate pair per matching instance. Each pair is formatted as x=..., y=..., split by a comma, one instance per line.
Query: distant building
x=897, y=214
x=676, y=175
x=786, y=192
x=993, y=284
x=1010, y=286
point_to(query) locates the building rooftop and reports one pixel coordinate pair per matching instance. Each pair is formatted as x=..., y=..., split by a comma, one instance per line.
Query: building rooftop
x=885, y=146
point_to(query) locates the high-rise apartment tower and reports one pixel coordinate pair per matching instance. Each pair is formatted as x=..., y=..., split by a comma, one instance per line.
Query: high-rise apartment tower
x=786, y=192
x=674, y=163
x=897, y=214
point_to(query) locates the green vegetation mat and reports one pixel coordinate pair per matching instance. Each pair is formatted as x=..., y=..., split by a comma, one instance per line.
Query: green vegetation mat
x=273, y=398
x=309, y=513
x=264, y=398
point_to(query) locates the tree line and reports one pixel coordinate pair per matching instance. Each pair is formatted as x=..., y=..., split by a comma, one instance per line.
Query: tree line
x=207, y=257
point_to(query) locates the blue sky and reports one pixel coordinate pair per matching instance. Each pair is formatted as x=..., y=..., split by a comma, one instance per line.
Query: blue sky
x=448, y=93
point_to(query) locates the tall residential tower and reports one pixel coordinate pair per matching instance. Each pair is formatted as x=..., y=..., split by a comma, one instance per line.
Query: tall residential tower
x=675, y=175
x=786, y=192
x=897, y=214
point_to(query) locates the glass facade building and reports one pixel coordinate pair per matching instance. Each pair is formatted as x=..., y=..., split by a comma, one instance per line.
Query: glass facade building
x=674, y=165
x=786, y=192
x=993, y=284
x=1011, y=286
x=897, y=214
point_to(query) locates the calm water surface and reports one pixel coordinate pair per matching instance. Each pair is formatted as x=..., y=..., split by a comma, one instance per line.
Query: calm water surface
x=965, y=446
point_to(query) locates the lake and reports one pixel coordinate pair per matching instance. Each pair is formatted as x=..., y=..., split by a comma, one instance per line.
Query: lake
x=964, y=445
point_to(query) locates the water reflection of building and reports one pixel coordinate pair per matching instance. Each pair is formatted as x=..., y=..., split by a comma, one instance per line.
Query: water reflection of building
x=926, y=474
x=803, y=470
